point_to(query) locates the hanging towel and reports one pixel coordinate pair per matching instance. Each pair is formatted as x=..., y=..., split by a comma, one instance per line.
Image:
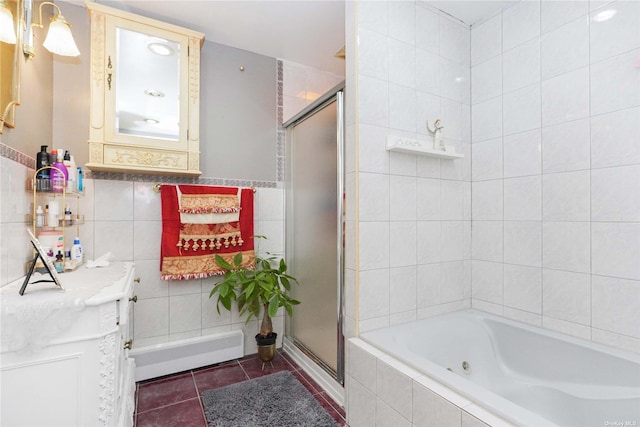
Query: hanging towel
x=188, y=249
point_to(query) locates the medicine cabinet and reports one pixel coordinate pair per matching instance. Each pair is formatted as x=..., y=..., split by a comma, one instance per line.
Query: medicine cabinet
x=145, y=94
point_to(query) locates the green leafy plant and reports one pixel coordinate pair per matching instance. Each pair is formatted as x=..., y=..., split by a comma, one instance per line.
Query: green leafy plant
x=267, y=287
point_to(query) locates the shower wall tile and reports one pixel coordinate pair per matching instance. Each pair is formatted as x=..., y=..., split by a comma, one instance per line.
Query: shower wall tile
x=486, y=80
x=402, y=243
x=269, y=204
x=151, y=318
x=402, y=289
x=429, y=284
x=523, y=288
x=487, y=120
x=521, y=110
x=402, y=108
x=427, y=72
x=487, y=200
x=429, y=242
x=115, y=237
x=402, y=13
x=557, y=13
x=402, y=200
x=565, y=196
x=567, y=246
x=487, y=241
x=568, y=328
x=487, y=160
x=521, y=22
x=618, y=305
x=618, y=34
x=615, y=249
x=521, y=66
x=150, y=285
x=567, y=296
x=428, y=199
x=452, y=241
x=615, y=340
x=566, y=97
x=565, y=48
x=427, y=30
x=486, y=40
x=615, y=83
x=615, y=194
x=375, y=197
x=614, y=138
x=522, y=154
x=402, y=63
x=373, y=101
x=374, y=49
x=488, y=279
x=523, y=198
x=566, y=147
x=523, y=243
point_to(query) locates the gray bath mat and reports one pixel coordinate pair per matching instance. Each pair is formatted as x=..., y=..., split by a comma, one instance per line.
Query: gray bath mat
x=276, y=400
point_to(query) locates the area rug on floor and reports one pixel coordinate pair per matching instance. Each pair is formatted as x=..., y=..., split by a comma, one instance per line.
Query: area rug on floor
x=275, y=400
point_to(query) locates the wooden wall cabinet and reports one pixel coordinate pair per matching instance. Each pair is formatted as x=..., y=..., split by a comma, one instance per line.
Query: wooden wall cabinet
x=145, y=94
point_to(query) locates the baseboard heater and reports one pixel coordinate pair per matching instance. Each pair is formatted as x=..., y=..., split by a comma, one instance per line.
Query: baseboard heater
x=177, y=356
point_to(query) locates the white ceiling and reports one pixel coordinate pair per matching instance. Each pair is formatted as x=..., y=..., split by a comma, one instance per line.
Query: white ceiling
x=308, y=32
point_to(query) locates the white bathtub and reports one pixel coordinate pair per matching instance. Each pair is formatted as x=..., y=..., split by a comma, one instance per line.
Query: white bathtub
x=523, y=374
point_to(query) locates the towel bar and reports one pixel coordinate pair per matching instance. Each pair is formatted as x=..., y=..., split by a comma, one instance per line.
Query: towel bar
x=157, y=185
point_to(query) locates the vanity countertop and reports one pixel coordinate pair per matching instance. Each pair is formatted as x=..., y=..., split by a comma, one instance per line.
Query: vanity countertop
x=45, y=311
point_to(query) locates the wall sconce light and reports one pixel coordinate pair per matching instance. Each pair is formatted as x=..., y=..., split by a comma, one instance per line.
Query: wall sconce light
x=7, y=29
x=59, y=39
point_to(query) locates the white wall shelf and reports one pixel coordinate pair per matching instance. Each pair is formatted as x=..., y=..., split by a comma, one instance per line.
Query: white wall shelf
x=413, y=146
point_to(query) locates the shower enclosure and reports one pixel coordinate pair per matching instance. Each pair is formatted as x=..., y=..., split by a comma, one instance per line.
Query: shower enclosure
x=314, y=232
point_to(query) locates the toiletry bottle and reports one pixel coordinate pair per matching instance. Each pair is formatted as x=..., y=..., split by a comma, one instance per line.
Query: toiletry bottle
x=39, y=217
x=46, y=215
x=70, y=164
x=54, y=210
x=59, y=262
x=67, y=216
x=59, y=174
x=42, y=161
x=76, y=252
x=80, y=182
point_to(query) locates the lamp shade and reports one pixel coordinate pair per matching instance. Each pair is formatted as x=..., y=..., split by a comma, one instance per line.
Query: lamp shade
x=7, y=29
x=59, y=38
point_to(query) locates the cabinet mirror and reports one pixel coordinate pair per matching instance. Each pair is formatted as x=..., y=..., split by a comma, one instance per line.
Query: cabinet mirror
x=145, y=89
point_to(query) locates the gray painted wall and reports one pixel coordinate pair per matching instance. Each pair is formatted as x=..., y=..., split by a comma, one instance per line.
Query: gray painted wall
x=238, y=114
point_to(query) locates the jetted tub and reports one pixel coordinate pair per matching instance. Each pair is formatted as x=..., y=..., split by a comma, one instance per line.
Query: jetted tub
x=527, y=375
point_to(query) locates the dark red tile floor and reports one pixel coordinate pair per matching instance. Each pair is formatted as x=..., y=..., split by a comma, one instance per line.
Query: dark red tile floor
x=174, y=400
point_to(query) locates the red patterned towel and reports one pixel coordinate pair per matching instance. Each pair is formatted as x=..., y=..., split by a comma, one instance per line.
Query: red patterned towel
x=188, y=250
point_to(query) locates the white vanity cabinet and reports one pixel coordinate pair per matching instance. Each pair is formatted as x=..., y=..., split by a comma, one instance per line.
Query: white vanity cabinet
x=145, y=94
x=64, y=359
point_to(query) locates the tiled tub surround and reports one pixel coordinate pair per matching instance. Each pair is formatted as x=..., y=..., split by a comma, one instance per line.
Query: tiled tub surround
x=383, y=391
x=525, y=374
x=555, y=101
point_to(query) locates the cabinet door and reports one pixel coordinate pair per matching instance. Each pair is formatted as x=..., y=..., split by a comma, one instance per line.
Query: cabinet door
x=145, y=94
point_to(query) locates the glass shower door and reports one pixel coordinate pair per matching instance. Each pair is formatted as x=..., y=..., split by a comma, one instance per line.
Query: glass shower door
x=314, y=233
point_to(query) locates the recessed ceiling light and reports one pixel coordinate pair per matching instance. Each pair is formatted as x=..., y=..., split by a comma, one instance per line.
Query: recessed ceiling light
x=151, y=121
x=605, y=15
x=160, y=48
x=154, y=93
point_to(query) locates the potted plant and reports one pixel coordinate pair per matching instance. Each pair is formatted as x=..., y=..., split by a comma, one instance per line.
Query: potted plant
x=265, y=287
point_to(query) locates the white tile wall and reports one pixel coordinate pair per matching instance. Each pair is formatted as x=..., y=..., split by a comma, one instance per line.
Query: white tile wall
x=411, y=210
x=566, y=178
